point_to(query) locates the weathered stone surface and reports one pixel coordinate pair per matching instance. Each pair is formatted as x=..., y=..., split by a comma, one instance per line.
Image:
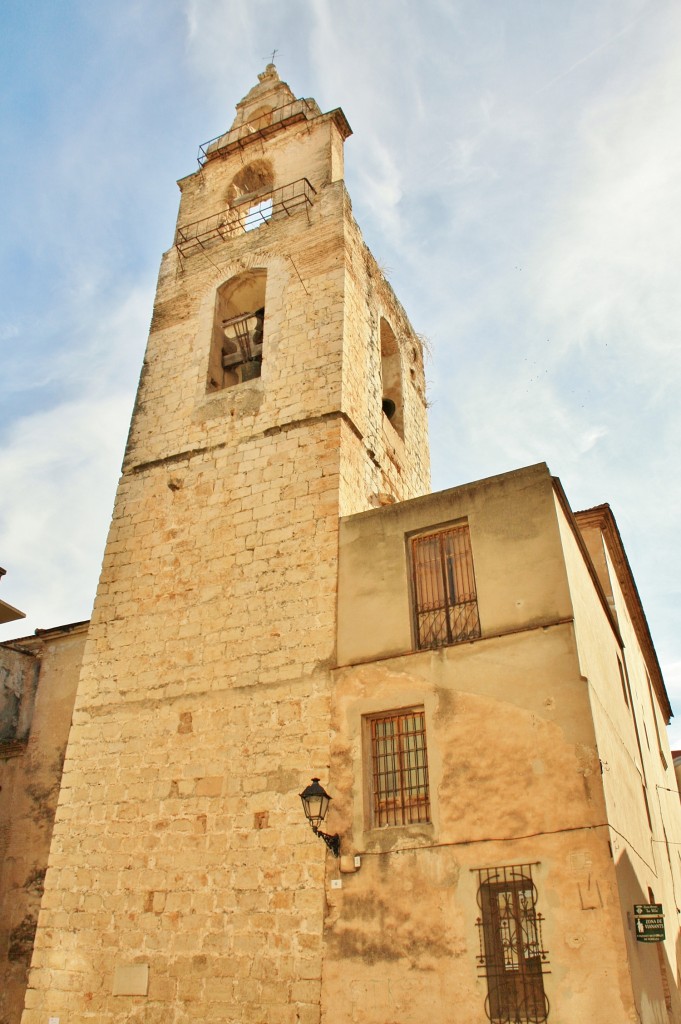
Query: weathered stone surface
x=203, y=704
x=44, y=674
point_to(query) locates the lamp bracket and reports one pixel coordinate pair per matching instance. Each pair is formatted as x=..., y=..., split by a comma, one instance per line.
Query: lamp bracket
x=333, y=842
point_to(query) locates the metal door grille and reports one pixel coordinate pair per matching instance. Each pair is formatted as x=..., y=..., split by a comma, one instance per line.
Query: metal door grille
x=512, y=956
x=399, y=760
x=444, y=585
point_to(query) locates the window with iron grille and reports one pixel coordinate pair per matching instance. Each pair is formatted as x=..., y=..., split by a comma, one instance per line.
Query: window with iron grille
x=445, y=598
x=399, y=768
x=512, y=956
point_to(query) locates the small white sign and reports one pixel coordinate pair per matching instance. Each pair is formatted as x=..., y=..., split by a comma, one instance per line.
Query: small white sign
x=53, y=1020
x=336, y=883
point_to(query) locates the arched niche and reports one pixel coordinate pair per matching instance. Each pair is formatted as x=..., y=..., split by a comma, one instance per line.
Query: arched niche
x=391, y=375
x=250, y=194
x=238, y=330
x=259, y=118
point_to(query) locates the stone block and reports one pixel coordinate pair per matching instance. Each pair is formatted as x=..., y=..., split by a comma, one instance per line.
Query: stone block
x=130, y=980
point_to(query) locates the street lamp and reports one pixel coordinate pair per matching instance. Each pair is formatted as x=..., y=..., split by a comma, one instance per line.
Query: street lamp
x=315, y=802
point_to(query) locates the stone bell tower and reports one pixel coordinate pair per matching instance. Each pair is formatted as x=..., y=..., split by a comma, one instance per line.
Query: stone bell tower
x=282, y=387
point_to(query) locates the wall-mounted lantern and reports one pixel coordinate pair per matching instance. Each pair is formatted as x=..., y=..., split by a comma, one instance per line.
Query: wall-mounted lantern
x=316, y=801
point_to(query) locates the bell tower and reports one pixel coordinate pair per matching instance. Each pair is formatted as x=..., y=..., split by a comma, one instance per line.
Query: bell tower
x=282, y=388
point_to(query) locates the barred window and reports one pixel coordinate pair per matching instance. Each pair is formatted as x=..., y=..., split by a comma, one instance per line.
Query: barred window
x=512, y=957
x=399, y=768
x=446, y=602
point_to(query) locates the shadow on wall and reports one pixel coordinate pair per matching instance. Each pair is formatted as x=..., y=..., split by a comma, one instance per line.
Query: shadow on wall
x=652, y=974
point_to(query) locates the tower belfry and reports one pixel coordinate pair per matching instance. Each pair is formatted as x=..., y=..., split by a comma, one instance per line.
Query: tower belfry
x=282, y=388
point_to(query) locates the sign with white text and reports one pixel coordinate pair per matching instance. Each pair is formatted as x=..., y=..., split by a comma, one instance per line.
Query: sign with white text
x=649, y=922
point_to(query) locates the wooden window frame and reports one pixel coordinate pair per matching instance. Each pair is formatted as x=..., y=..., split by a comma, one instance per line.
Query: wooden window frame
x=398, y=780
x=444, y=594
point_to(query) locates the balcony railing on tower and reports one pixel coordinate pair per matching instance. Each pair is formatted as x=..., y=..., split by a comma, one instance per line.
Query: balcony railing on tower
x=259, y=128
x=249, y=213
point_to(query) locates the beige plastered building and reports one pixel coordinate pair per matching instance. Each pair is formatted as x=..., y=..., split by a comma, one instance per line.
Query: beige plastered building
x=469, y=673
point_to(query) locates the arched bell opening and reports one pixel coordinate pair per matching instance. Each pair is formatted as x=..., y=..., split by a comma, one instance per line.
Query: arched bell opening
x=238, y=330
x=250, y=194
x=391, y=376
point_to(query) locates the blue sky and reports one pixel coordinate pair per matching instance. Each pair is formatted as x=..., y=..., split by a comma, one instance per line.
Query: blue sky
x=515, y=168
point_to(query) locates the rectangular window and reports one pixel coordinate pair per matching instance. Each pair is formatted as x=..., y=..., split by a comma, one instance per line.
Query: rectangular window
x=647, y=806
x=512, y=956
x=446, y=602
x=657, y=728
x=622, y=680
x=399, y=768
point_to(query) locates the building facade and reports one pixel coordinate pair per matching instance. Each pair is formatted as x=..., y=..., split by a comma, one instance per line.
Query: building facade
x=38, y=681
x=469, y=673
x=499, y=746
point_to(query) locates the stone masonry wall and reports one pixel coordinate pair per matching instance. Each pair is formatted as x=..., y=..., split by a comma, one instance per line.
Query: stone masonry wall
x=379, y=460
x=204, y=705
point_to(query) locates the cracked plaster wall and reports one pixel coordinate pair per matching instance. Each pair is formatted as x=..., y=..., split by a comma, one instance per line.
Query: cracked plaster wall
x=38, y=678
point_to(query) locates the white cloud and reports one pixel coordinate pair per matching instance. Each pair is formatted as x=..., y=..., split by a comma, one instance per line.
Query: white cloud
x=520, y=173
x=59, y=471
x=380, y=181
x=59, y=466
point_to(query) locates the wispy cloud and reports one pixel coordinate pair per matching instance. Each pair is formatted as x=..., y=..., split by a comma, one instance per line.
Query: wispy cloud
x=594, y=52
x=519, y=172
x=59, y=467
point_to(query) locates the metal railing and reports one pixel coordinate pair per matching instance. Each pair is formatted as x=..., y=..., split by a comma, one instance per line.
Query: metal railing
x=237, y=219
x=512, y=955
x=259, y=128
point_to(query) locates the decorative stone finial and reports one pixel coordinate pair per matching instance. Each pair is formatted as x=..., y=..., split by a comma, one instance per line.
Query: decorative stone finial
x=269, y=74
